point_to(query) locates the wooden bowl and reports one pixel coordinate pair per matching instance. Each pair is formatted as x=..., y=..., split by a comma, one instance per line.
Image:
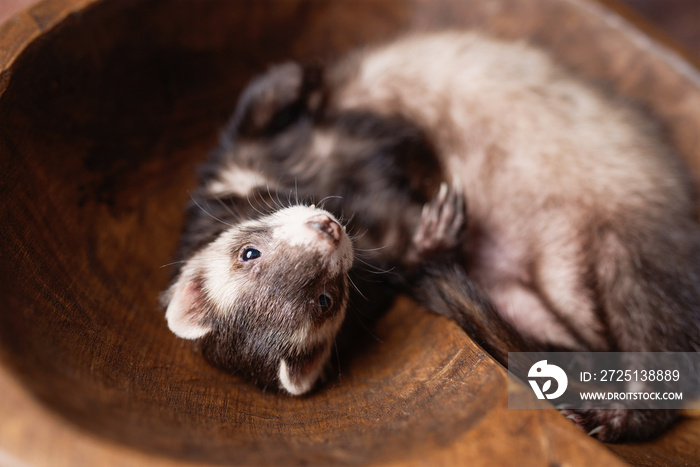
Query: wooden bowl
x=106, y=107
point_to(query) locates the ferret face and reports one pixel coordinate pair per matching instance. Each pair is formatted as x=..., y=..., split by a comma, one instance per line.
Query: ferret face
x=267, y=297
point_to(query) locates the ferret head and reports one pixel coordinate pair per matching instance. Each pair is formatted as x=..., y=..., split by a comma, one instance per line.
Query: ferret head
x=267, y=297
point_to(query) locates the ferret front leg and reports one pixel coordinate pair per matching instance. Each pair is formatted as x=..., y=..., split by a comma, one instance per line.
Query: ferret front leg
x=442, y=226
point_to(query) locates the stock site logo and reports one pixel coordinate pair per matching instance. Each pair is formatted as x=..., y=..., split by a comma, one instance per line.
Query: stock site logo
x=542, y=370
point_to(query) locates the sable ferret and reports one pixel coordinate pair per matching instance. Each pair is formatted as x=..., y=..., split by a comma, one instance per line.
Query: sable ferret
x=499, y=190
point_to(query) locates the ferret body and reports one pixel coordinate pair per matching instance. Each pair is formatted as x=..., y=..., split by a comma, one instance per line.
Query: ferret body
x=579, y=230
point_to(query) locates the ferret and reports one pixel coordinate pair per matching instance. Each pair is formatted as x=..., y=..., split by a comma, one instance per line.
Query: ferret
x=477, y=175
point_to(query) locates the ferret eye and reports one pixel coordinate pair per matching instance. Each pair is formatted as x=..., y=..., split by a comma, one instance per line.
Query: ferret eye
x=250, y=253
x=324, y=301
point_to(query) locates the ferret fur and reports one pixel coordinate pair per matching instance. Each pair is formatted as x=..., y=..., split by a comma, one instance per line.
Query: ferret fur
x=535, y=209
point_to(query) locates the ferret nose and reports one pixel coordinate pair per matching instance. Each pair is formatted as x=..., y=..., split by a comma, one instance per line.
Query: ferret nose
x=326, y=225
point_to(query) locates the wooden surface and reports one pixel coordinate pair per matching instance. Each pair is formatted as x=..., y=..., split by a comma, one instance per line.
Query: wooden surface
x=105, y=109
x=678, y=20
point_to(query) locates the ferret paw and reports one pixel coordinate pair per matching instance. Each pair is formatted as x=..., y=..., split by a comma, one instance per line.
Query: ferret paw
x=442, y=223
x=612, y=425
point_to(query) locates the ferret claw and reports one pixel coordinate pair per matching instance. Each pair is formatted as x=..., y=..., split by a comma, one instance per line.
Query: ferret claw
x=442, y=194
x=596, y=430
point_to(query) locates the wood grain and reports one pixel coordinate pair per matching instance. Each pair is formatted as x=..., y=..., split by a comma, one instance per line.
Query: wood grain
x=106, y=107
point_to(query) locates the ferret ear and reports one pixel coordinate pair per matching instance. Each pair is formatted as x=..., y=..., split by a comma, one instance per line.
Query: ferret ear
x=299, y=375
x=277, y=99
x=187, y=313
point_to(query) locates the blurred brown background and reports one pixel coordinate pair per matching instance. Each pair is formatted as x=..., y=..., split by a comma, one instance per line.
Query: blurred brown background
x=678, y=19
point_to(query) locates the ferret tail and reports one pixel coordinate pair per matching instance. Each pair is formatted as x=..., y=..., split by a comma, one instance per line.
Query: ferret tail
x=446, y=289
